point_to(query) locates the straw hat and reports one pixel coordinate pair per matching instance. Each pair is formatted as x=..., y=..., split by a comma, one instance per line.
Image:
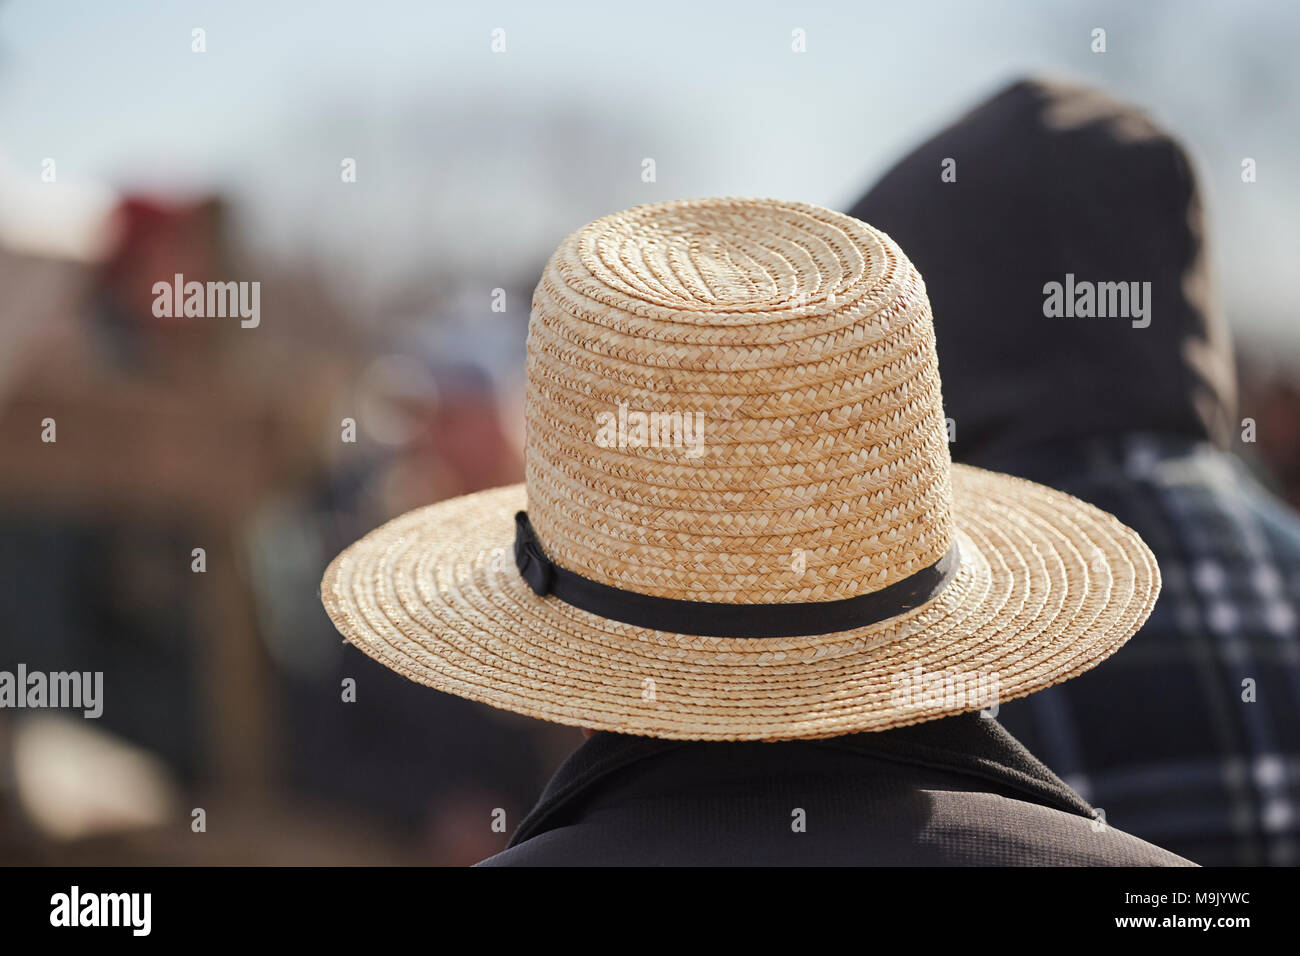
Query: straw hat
x=740, y=519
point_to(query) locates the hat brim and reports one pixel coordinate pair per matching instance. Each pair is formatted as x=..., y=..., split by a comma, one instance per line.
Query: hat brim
x=1048, y=587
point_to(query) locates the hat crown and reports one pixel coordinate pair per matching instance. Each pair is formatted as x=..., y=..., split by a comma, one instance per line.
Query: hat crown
x=736, y=401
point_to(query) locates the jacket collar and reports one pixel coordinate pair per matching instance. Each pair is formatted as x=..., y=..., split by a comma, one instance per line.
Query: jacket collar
x=966, y=744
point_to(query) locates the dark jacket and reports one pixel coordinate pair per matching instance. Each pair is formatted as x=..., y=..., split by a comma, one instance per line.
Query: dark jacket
x=1190, y=735
x=958, y=791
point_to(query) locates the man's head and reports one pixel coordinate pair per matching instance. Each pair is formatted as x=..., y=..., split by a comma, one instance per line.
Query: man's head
x=1045, y=204
x=823, y=569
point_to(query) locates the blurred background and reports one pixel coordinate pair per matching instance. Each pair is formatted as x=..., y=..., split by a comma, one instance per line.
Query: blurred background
x=395, y=184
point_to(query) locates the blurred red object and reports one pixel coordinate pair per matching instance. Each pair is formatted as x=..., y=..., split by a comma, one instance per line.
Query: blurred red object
x=153, y=240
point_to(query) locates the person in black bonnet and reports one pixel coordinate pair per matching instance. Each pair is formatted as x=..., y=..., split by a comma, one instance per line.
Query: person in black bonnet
x=1061, y=238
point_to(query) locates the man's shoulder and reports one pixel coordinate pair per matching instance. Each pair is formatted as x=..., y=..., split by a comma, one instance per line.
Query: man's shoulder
x=973, y=830
x=875, y=801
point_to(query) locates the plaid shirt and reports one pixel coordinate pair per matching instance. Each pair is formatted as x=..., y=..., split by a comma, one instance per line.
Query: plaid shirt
x=1189, y=737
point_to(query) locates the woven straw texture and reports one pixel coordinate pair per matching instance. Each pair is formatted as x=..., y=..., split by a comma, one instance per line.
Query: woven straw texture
x=786, y=353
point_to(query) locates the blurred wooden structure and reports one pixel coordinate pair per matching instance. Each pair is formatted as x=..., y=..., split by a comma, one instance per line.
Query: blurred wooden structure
x=199, y=453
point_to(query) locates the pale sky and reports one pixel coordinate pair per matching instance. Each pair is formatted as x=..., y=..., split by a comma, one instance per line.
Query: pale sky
x=472, y=165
